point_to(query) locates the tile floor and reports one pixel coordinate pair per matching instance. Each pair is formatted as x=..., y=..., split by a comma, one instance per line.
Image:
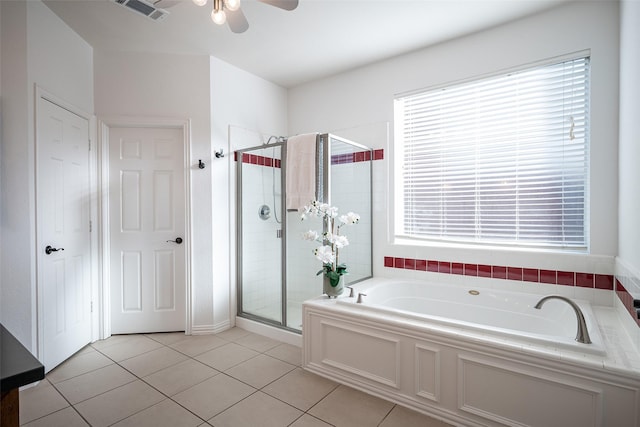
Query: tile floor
x=235, y=378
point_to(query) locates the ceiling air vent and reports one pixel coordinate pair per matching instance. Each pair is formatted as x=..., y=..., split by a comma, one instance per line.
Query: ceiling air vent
x=145, y=8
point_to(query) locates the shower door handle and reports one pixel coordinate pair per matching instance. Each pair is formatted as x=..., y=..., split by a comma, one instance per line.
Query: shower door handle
x=178, y=240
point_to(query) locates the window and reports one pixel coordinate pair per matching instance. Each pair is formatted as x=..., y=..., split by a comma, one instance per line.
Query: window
x=501, y=160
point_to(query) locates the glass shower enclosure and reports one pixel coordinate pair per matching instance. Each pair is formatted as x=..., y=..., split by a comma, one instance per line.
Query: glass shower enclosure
x=276, y=268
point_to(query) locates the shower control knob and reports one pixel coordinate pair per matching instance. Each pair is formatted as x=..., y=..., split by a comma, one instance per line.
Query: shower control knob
x=178, y=240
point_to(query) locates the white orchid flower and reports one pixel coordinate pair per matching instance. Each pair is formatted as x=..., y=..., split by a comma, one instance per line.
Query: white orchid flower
x=350, y=218
x=325, y=254
x=310, y=235
x=340, y=241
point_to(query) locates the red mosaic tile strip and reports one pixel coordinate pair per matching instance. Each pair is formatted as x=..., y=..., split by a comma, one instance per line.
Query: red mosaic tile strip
x=360, y=156
x=553, y=277
x=627, y=301
x=254, y=159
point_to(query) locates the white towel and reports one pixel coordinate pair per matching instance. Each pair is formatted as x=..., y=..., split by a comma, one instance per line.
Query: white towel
x=301, y=170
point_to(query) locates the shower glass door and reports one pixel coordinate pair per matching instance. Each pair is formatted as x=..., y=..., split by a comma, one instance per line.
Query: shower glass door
x=260, y=224
x=346, y=184
x=276, y=268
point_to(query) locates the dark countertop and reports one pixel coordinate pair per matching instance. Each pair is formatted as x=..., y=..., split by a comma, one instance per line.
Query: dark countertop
x=18, y=367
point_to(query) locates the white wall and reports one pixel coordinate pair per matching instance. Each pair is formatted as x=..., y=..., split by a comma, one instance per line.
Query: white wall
x=253, y=107
x=171, y=86
x=366, y=96
x=629, y=151
x=37, y=48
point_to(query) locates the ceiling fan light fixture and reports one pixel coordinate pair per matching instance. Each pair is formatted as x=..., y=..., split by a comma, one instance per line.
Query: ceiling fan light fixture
x=234, y=16
x=218, y=16
x=232, y=5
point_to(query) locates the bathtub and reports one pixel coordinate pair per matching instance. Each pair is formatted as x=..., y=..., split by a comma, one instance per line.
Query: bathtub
x=491, y=312
x=473, y=356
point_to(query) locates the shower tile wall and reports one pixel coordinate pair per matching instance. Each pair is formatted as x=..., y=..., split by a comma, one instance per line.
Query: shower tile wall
x=302, y=266
x=351, y=192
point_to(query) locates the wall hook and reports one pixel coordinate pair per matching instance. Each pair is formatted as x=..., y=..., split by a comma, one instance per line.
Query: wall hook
x=201, y=164
x=219, y=154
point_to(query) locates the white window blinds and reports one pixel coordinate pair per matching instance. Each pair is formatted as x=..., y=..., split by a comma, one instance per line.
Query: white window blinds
x=501, y=160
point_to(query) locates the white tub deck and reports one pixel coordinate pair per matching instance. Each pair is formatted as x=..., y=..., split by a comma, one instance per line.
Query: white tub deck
x=489, y=311
x=470, y=374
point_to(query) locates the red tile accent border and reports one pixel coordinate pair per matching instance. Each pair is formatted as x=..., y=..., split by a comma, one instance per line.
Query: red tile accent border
x=360, y=156
x=553, y=277
x=602, y=281
x=471, y=269
x=484, y=270
x=566, y=278
x=585, y=280
x=627, y=301
x=254, y=159
x=530, y=275
x=457, y=268
x=498, y=272
x=514, y=273
x=550, y=277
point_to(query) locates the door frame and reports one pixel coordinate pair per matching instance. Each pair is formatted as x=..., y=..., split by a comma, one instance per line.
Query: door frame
x=104, y=124
x=94, y=260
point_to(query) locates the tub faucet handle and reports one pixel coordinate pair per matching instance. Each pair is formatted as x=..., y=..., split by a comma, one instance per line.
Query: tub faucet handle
x=360, y=300
x=351, y=291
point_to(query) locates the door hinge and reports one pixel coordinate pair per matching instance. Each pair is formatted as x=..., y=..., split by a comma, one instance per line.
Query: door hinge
x=89, y=145
x=90, y=226
x=91, y=306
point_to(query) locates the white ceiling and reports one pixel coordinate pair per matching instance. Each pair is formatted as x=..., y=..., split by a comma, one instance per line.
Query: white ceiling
x=318, y=39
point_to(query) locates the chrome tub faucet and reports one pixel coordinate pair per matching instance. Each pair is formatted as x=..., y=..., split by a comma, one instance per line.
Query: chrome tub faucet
x=583, y=334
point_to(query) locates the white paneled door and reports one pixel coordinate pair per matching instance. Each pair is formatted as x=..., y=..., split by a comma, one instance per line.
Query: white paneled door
x=147, y=229
x=63, y=215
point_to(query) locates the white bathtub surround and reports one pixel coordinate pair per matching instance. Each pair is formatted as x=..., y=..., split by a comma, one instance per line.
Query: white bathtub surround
x=488, y=311
x=473, y=375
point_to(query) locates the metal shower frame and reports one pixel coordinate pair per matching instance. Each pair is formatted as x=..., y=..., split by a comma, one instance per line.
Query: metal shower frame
x=323, y=145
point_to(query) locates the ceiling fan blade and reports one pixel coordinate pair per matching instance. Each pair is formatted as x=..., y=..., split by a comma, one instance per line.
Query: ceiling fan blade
x=237, y=21
x=165, y=4
x=282, y=4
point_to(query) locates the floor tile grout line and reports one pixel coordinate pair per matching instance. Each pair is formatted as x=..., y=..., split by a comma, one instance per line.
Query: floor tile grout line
x=284, y=375
x=83, y=373
x=70, y=404
x=236, y=379
x=194, y=358
x=255, y=390
x=151, y=373
x=387, y=415
x=99, y=394
x=171, y=397
x=230, y=367
x=136, y=378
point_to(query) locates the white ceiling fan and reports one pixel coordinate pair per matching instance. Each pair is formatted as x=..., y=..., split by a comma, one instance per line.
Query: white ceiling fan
x=229, y=11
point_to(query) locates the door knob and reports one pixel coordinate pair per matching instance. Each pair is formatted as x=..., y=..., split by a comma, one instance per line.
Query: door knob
x=50, y=249
x=178, y=240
